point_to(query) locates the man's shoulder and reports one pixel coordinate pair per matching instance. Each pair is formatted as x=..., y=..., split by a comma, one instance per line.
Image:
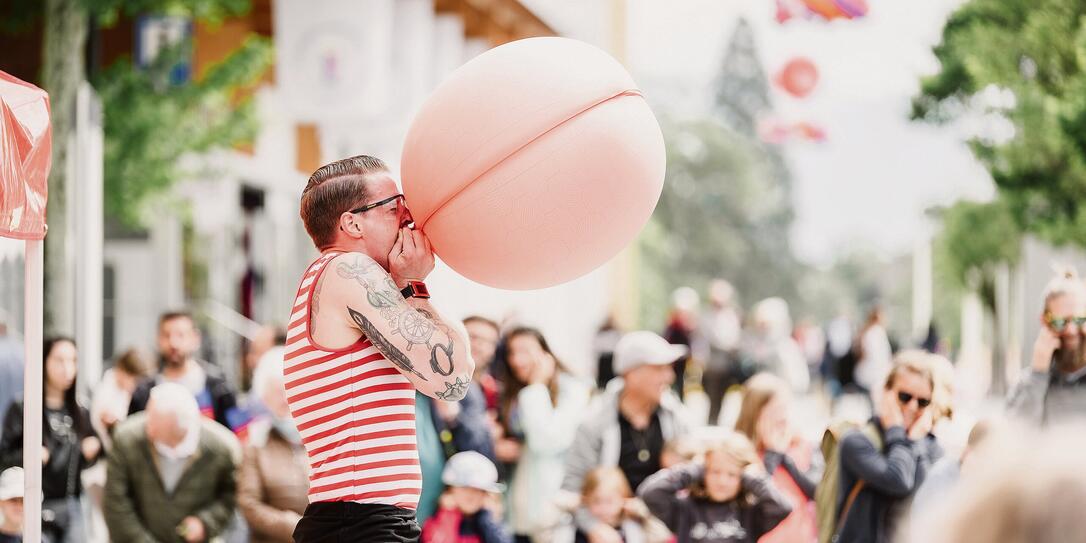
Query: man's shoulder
x=130, y=430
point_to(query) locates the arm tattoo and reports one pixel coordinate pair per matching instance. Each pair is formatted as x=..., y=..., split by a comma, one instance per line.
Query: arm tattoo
x=454, y=391
x=383, y=344
x=417, y=326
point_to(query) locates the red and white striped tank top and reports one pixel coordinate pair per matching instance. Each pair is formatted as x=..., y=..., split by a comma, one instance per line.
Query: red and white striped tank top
x=355, y=411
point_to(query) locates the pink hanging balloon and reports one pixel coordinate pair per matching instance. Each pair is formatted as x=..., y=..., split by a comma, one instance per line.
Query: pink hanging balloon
x=798, y=77
x=533, y=164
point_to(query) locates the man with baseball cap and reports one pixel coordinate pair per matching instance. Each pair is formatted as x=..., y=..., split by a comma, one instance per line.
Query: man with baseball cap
x=629, y=423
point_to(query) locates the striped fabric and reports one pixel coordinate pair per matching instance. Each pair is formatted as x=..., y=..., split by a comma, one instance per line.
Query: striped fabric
x=356, y=414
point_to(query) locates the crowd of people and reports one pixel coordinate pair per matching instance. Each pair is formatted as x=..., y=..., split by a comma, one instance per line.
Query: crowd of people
x=537, y=451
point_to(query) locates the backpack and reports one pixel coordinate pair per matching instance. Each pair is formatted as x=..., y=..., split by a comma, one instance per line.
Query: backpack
x=829, y=519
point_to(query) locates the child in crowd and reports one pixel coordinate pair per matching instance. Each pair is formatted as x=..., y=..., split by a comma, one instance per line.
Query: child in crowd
x=11, y=505
x=728, y=498
x=606, y=495
x=679, y=451
x=465, y=514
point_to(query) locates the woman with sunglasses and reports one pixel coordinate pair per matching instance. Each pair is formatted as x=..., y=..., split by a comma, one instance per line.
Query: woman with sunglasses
x=878, y=478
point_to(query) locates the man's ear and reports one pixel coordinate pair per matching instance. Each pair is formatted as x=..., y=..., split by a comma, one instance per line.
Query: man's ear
x=349, y=223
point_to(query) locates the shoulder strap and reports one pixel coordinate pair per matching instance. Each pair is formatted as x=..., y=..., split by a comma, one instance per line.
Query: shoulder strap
x=871, y=432
x=852, y=495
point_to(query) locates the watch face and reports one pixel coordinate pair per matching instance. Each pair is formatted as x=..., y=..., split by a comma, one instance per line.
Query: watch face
x=421, y=290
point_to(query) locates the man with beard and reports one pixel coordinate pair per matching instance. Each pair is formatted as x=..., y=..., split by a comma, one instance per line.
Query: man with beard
x=178, y=343
x=1055, y=387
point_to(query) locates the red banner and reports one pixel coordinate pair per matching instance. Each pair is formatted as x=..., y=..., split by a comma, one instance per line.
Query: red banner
x=26, y=141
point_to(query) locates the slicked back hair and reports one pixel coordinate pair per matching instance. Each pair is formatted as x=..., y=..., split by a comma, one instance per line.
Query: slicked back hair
x=333, y=189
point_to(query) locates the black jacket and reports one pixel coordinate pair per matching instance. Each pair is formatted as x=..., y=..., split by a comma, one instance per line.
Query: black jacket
x=222, y=396
x=890, y=476
x=60, y=475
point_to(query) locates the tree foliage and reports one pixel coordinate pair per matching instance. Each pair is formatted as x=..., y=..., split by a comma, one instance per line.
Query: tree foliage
x=717, y=217
x=1035, y=49
x=151, y=122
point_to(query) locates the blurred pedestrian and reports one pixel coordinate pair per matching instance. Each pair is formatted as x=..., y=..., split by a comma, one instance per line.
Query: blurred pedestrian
x=768, y=345
x=178, y=342
x=11, y=365
x=682, y=329
x=607, y=497
x=793, y=464
x=110, y=399
x=11, y=505
x=1052, y=389
x=629, y=423
x=484, y=335
x=603, y=347
x=932, y=496
x=266, y=338
x=721, y=500
x=467, y=507
x=69, y=444
x=879, y=477
x=171, y=474
x=1026, y=486
x=722, y=329
x=273, y=481
x=873, y=353
x=544, y=403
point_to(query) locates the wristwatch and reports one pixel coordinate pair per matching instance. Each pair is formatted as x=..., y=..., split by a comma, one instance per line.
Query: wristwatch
x=415, y=289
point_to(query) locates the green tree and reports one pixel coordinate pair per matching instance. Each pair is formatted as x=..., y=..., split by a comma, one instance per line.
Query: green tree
x=148, y=124
x=717, y=217
x=1036, y=50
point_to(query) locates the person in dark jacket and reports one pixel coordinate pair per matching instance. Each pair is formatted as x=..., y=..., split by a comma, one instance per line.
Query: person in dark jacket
x=69, y=443
x=877, y=481
x=727, y=499
x=464, y=516
x=178, y=343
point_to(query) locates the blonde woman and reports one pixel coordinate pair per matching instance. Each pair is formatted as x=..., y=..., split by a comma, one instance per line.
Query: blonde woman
x=793, y=464
x=878, y=478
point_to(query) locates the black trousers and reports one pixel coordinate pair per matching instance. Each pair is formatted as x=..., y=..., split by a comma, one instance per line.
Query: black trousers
x=342, y=522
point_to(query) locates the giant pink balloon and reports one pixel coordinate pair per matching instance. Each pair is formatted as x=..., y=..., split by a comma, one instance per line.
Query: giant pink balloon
x=533, y=164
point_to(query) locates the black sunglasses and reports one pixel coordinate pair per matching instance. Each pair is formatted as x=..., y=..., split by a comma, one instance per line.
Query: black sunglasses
x=905, y=398
x=368, y=207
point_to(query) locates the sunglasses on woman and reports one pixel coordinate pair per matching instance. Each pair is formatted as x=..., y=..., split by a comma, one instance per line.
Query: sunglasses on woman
x=905, y=398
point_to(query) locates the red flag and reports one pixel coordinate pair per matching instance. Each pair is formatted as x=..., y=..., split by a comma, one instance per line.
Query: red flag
x=26, y=141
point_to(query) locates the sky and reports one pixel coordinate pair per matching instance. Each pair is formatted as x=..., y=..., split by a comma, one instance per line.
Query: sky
x=868, y=185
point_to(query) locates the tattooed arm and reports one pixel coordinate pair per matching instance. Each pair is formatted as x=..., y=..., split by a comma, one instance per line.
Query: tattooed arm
x=428, y=349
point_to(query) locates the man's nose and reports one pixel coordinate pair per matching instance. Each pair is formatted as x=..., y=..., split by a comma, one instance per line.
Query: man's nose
x=405, y=216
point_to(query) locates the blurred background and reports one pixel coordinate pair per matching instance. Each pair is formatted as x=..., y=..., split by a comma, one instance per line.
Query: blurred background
x=926, y=158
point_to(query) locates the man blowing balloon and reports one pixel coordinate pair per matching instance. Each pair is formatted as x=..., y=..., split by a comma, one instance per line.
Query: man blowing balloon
x=362, y=339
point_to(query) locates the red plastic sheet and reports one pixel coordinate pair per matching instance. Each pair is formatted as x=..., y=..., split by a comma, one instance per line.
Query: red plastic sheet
x=26, y=141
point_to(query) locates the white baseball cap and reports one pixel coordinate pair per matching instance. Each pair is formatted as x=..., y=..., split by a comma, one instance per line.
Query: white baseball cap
x=473, y=470
x=11, y=483
x=643, y=348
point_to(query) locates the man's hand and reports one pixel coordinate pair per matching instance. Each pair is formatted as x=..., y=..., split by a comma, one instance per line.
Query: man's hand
x=192, y=530
x=603, y=533
x=890, y=410
x=411, y=258
x=1043, y=348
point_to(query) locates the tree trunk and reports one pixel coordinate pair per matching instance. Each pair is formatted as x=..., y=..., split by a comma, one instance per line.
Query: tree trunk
x=64, y=43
